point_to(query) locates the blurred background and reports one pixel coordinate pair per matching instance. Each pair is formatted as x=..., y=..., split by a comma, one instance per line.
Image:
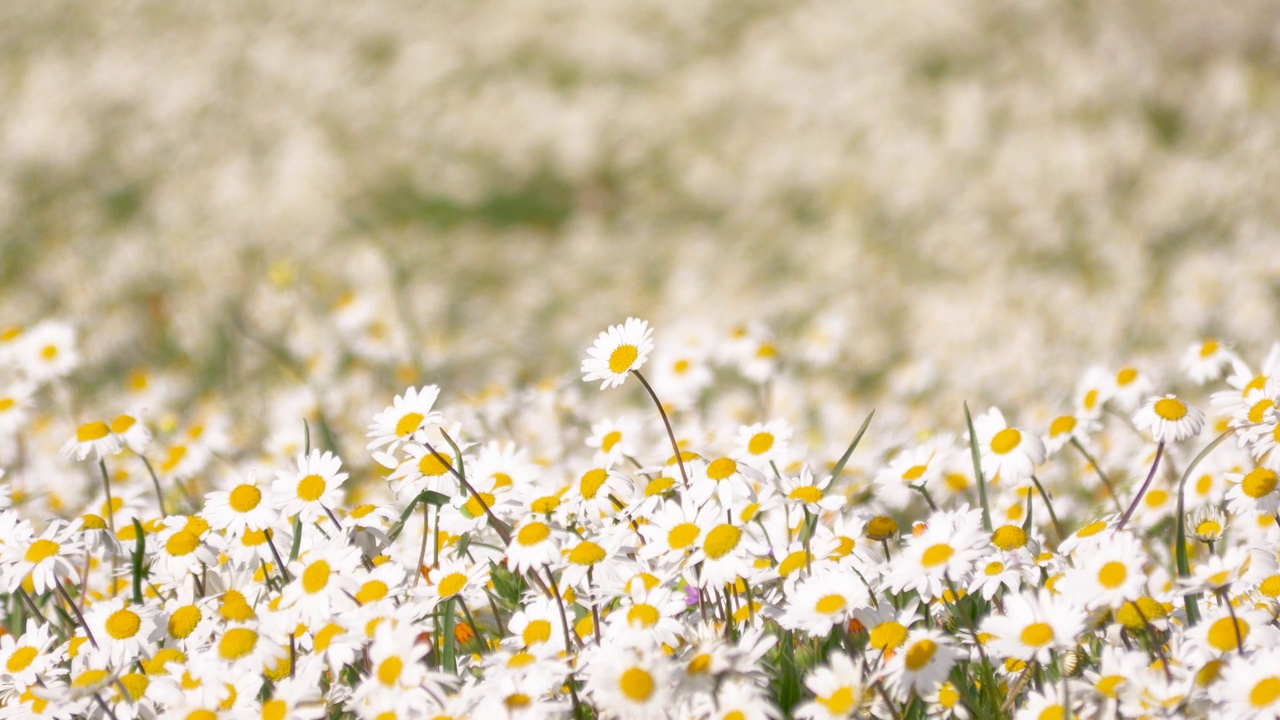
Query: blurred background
x=466, y=192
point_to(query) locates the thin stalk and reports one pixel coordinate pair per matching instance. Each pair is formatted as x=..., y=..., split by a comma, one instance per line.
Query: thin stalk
x=977, y=470
x=500, y=527
x=80, y=617
x=1142, y=490
x=1093, y=463
x=667, y=422
x=1053, y=517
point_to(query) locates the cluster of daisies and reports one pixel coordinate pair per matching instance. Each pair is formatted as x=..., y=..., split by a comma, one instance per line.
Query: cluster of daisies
x=1113, y=556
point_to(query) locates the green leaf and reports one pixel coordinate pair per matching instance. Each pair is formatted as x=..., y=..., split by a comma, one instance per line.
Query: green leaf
x=139, y=552
x=977, y=470
x=844, y=459
x=449, y=641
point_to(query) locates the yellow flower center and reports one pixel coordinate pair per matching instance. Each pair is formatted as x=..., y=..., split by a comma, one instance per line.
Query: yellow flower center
x=643, y=614
x=371, y=591
x=473, y=507
x=181, y=543
x=408, y=423
x=533, y=533
x=274, y=710
x=760, y=443
x=683, y=535
x=389, y=670
x=315, y=577
x=122, y=424
x=721, y=468
x=1265, y=692
x=591, y=482
x=452, y=584
x=6, y=403
x=1126, y=376
x=41, y=550
x=610, y=440
x=621, y=359
x=994, y=568
x=183, y=621
x=91, y=431
x=920, y=653
x=1009, y=537
x=1208, y=348
x=805, y=494
x=236, y=643
x=659, y=486
x=545, y=504
x=1036, y=635
x=1090, y=400
x=537, y=631
x=135, y=684
x=838, y=703
x=235, y=607
x=1222, y=634
x=721, y=541
x=431, y=466
x=245, y=498
x=792, y=563
x=325, y=637
x=89, y=678
x=830, y=604
x=914, y=472
x=1053, y=712
x=1259, y=409
x=1091, y=529
x=1062, y=425
x=936, y=555
x=586, y=553
x=1270, y=587
x=311, y=487
x=1259, y=482
x=21, y=659
x=1005, y=440
x=888, y=635
x=123, y=624
x=1113, y=574
x=636, y=683
x=1170, y=409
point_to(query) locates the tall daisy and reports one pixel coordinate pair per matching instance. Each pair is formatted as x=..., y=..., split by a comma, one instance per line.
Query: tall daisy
x=1169, y=419
x=617, y=351
x=1006, y=451
x=310, y=489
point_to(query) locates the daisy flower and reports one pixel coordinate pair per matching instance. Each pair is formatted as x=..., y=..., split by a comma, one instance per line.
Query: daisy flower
x=308, y=491
x=1128, y=386
x=1169, y=419
x=839, y=690
x=94, y=440
x=1107, y=576
x=762, y=443
x=1032, y=626
x=1065, y=428
x=940, y=554
x=612, y=439
x=240, y=508
x=1251, y=687
x=630, y=682
x=323, y=583
x=824, y=600
x=1007, y=452
x=533, y=546
x=397, y=424
x=124, y=631
x=46, y=558
x=617, y=351
x=1252, y=492
x=921, y=466
x=29, y=657
x=924, y=662
x=47, y=351
x=805, y=491
x=15, y=406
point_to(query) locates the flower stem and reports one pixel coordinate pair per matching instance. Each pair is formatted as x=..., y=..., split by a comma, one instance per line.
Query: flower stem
x=1093, y=463
x=667, y=422
x=1142, y=490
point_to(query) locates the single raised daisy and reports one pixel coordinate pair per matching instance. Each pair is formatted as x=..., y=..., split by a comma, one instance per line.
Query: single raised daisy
x=398, y=423
x=618, y=351
x=1169, y=419
x=240, y=508
x=94, y=440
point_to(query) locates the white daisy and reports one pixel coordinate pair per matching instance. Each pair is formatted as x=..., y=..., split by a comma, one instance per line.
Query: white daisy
x=617, y=351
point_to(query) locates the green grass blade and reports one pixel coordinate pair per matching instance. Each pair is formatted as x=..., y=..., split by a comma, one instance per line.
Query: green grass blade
x=977, y=470
x=844, y=459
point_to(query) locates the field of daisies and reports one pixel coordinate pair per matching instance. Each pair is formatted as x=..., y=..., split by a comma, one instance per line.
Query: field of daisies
x=676, y=359
x=529, y=553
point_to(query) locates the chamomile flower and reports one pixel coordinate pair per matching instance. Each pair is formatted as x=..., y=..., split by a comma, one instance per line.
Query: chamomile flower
x=1032, y=626
x=242, y=507
x=315, y=485
x=629, y=681
x=839, y=690
x=919, y=467
x=942, y=553
x=1169, y=419
x=1007, y=452
x=1128, y=386
x=618, y=351
x=1253, y=491
x=762, y=443
x=323, y=584
x=810, y=493
x=1251, y=687
x=534, y=545
x=94, y=440
x=29, y=657
x=823, y=601
x=45, y=559
x=397, y=424
x=123, y=630
x=613, y=439
x=1111, y=573
x=923, y=664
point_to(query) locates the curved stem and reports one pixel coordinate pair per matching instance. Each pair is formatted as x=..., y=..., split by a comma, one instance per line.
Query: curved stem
x=1142, y=490
x=667, y=422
